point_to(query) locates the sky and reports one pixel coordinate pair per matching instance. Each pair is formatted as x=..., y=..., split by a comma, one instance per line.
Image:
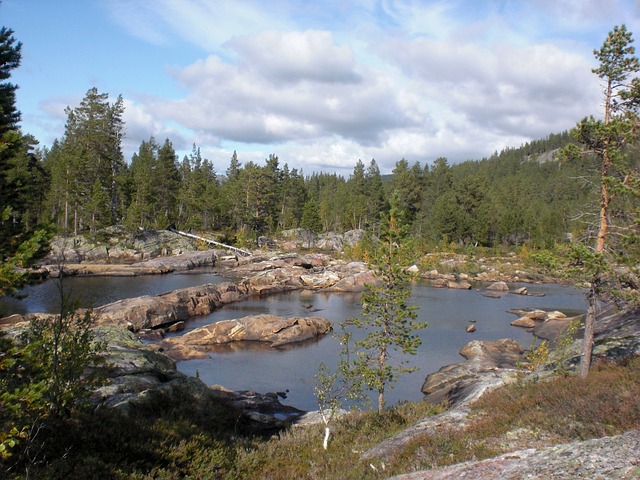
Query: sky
x=323, y=83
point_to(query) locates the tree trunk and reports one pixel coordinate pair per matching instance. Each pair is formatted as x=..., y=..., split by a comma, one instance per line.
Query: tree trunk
x=325, y=441
x=587, y=343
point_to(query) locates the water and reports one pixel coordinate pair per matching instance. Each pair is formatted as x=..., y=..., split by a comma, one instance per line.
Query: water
x=95, y=291
x=254, y=366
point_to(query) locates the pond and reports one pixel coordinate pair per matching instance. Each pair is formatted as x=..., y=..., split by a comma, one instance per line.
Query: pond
x=252, y=366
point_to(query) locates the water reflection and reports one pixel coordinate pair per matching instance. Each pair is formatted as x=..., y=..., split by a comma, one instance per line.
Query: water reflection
x=254, y=366
x=447, y=312
x=95, y=291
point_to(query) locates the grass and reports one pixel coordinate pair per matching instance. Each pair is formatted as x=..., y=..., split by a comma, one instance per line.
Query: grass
x=179, y=438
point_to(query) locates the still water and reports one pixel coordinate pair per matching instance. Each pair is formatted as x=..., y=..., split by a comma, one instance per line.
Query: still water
x=291, y=369
x=252, y=366
x=91, y=292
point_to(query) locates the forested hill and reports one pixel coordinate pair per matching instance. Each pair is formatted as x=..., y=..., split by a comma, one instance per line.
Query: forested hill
x=520, y=195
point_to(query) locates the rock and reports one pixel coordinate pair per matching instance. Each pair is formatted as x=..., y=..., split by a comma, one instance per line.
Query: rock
x=535, y=314
x=499, y=286
x=300, y=237
x=552, y=328
x=322, y=280
x=155, y=266
x=440, y=283
x=491, y=294
x=532, y=318
x=461, y=285
x=331, y=241
x=526, y=322
x=431, y=274
x=612, y=458
x=487, y=365
x=167, y=308
x=263, y=409
x=273, y=330
x=521, y=291
x=471, y=328
x=413, y=269
x=119, y=246
x=176, y=327
x=139, y=376
x=354, y=283
x=450, y=420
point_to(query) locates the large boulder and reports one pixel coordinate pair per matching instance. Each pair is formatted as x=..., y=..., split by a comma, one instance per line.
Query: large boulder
x=270, y=329
x=487, y=366
x=320, y=280
x=499, y=286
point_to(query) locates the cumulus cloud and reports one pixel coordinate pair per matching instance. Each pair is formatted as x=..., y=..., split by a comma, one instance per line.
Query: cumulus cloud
x=295, y=56
x=382, y=80
x=278, y=94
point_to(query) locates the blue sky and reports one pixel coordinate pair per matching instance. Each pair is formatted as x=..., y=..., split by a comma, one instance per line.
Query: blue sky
x=319, y=83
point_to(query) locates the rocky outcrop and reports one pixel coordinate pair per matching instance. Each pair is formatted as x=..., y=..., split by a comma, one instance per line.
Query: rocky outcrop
x=259, y=277
x=165, y=309
x=487, y=365
x=299, y=237
x=159, y=265
x=136, y=376
x=609, y=457
x=273, y=330
x=116, y=245
x=534, y=318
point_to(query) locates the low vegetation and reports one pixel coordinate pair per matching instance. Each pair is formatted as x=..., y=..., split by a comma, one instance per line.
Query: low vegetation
x=179, y=438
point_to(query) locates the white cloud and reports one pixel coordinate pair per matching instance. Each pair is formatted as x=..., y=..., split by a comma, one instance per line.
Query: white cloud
x=280, y=94
x=296, y=56
x=381, y=79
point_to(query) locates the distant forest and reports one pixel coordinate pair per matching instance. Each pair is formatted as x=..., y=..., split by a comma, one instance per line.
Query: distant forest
x=82, y=184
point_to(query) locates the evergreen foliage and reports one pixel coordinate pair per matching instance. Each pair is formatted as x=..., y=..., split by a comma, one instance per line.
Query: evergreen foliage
x=388, y=322
x=609, y=141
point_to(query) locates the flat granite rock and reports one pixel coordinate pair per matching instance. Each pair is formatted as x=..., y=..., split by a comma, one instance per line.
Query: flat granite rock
x=608, y=458
x=270, y=329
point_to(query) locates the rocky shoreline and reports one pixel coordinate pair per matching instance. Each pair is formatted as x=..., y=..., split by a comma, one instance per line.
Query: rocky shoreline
x=137, y=369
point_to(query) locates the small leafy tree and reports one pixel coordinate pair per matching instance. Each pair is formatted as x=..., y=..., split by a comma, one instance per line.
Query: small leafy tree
x=333, y=390
x=388, y=321
x=63, y=347
x=45, y=375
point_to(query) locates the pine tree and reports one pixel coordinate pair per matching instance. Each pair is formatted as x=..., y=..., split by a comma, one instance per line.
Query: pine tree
x=10, y=56
x=388, y=321
x=167, y=185
x=92, y=165
x=607, y=140
x=22, y=178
